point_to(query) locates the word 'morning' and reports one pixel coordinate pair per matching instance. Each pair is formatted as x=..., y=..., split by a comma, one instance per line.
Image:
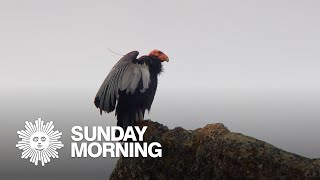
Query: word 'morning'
x=127, y=149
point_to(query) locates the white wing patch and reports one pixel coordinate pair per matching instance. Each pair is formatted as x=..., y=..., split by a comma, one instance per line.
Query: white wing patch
x=132, y=76
x=145, y=74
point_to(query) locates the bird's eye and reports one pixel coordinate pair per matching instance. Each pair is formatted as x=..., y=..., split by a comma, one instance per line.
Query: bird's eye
x=160, y=52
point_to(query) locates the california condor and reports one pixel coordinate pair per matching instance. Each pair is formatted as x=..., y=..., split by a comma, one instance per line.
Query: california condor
x=130, y=87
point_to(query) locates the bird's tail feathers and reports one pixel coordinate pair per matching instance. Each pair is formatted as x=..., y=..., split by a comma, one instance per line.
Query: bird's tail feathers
x=124, y=121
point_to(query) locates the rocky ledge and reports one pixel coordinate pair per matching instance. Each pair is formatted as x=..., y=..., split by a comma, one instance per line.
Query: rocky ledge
x=213, y=152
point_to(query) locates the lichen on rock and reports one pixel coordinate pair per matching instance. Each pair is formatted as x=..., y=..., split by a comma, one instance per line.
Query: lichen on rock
x=213, y=152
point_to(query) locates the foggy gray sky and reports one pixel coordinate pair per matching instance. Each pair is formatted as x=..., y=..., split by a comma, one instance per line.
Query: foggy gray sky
x=247, y=44
x=252, y=65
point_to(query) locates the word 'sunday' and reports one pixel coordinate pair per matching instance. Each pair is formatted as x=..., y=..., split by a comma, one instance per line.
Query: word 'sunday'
x=91, y=142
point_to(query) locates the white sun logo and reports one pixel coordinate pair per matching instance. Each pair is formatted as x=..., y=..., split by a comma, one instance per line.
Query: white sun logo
x=39, y=142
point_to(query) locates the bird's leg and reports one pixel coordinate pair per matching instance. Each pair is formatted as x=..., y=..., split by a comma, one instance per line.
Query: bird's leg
x=140, y=116
x=139, y=119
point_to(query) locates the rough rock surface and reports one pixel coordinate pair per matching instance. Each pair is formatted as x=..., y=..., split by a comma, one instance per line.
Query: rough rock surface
x=213, y=152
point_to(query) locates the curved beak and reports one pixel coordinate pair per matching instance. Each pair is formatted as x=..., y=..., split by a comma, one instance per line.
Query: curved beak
x=164, y=57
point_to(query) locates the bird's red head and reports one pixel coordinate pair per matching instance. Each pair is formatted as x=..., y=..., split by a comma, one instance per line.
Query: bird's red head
x=160, y=55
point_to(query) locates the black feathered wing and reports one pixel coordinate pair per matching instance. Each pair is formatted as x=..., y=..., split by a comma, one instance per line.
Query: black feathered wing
x=125, y=75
